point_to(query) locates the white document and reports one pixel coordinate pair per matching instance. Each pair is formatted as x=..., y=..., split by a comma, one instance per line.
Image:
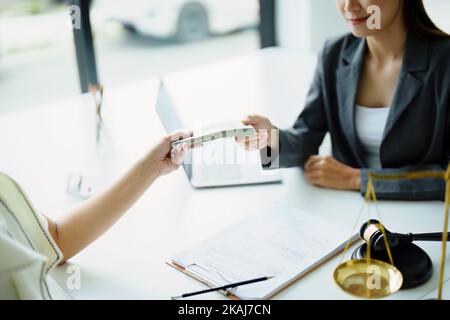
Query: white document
x=282, y=241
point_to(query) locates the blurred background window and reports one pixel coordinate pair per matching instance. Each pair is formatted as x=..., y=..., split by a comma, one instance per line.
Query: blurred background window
x=136, y=39
x=37, y=59
x=133, y=40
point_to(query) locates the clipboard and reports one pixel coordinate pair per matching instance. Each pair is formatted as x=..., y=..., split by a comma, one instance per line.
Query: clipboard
x=201, y=279
x=212, y=257
x=233, y=297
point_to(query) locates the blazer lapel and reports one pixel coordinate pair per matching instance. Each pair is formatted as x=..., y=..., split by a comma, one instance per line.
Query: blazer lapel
x=415, y=60
x=407, y=89
x=347, y=77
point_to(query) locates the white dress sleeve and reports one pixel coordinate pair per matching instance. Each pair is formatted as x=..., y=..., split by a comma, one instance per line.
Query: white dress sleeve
x=27, y=249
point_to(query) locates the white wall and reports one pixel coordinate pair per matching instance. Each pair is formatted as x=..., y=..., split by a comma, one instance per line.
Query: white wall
x=439, y=11
x=305, y=24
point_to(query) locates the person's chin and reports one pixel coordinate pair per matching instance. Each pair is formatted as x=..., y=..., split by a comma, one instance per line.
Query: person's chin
x=362, y=32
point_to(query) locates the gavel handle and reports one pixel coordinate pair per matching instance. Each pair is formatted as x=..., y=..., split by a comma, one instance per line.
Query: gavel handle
x=437, y=236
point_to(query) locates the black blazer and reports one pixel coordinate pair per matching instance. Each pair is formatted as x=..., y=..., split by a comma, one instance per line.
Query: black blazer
x=417, y=132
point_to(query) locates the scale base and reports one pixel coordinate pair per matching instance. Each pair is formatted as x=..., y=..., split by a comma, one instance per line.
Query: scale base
x=414, y=263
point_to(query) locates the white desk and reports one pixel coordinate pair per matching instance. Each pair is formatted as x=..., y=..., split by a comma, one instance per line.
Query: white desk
x=41, y=146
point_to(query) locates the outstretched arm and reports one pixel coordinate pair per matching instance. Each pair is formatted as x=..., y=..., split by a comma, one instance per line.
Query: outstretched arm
x=83, y=225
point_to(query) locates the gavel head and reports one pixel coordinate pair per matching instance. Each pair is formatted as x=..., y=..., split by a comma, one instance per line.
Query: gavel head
x=372, y=233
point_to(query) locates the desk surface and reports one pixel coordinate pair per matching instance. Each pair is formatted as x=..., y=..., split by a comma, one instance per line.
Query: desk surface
x=47, y=143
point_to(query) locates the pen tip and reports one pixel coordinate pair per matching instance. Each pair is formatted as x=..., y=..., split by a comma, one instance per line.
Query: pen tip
x=176, y=298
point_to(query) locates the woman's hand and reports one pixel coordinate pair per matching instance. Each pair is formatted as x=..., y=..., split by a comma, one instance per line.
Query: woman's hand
x=327, y=172
x=264, y=134
x=164, y=158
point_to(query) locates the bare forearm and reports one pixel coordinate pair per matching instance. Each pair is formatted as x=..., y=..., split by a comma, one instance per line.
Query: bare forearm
x=77, y=229
x=80, y=227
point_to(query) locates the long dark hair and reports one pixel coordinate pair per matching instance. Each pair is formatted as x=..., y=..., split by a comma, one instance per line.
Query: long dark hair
x=419, y=22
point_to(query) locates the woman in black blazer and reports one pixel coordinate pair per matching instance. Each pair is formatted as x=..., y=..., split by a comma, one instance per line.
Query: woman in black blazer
x=382, y=94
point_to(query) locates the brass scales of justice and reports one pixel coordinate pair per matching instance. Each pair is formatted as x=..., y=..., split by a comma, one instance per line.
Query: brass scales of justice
x=356, y=276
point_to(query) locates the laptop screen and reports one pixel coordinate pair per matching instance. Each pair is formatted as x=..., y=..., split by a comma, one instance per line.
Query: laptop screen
x=171, y=120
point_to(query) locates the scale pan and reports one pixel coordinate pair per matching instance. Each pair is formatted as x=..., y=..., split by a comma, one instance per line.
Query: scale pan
x=368, y=278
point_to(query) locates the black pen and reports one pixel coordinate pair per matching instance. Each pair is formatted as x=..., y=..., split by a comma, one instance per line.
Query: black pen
x=228, y=286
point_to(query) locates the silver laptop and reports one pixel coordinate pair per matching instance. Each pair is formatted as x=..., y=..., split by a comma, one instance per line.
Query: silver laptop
x=218, y=163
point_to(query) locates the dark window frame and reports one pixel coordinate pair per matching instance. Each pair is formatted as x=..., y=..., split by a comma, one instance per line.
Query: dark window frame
x=84, y=43
x=84, y=47
x=267, y=27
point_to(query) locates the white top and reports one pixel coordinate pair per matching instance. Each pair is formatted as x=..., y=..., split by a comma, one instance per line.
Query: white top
x=370, y=124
